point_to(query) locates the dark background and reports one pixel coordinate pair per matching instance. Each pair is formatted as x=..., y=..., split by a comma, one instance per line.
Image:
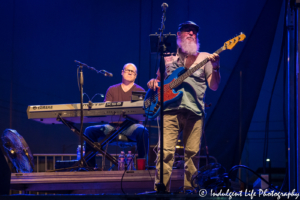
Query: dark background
x=41, y=39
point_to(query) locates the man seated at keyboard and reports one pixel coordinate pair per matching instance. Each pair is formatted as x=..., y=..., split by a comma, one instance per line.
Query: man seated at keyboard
x=117, y=93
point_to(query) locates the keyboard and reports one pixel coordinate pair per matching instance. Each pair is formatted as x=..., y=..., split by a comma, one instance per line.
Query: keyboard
x=103, y=112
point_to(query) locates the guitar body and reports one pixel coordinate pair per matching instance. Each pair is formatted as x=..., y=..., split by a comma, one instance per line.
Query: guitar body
x=170, y=95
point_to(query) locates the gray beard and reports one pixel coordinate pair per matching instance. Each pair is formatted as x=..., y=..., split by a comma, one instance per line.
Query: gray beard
x=188, y=47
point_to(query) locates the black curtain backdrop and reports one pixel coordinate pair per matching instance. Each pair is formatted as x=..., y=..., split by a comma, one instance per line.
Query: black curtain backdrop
x=228, y=125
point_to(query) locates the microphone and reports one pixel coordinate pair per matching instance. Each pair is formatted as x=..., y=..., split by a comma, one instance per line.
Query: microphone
x=106, y=73
x=164, y=7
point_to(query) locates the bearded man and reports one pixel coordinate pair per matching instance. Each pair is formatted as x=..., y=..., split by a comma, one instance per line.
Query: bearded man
x=187, y=113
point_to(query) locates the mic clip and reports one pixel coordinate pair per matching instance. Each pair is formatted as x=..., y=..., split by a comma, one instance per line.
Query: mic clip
x=90, y=105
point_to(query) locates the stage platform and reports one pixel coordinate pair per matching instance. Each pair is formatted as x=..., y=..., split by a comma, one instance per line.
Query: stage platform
x=122, y=197
x=90, y=182
x=128, y=197
x=100, y=185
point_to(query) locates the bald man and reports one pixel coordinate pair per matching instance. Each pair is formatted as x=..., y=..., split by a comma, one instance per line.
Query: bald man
x=117, y=93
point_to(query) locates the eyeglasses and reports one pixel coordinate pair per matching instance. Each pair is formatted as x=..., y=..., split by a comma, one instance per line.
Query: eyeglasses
x=188, y=29
x=129, y=70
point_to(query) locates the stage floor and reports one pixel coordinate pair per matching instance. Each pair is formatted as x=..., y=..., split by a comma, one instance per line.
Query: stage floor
x=106, y=185
x=91, y=182
x=123, y=197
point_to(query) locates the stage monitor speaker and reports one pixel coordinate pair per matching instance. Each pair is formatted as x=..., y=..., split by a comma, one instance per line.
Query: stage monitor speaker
x=260, y=184
x=5, y=175
x=17, y=151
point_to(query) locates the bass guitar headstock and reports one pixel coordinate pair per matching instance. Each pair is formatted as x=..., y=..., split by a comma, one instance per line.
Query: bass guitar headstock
x=231, y=43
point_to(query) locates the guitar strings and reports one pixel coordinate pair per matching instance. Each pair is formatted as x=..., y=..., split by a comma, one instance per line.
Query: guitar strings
x=174, y=83
x=167, y=88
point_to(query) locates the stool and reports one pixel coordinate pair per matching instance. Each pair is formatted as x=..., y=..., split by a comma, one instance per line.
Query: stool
x=123, y=142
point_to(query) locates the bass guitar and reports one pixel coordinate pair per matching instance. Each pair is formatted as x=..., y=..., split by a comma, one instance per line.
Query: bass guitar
x=152, y=102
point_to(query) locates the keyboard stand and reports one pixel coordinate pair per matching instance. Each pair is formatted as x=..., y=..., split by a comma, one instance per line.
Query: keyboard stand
x=125, y=124
x=99, y=146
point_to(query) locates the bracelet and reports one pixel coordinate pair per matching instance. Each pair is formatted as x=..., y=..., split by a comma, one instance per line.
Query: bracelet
x=216, y=69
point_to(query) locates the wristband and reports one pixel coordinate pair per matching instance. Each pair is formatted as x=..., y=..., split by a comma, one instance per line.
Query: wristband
x=216, y=69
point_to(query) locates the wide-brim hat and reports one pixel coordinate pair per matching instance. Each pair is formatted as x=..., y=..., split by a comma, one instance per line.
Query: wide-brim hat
x=187, y=24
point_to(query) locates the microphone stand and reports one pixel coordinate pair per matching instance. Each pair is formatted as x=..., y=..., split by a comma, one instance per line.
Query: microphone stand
x=161, y=188
x=82, y=162
x=104, y=72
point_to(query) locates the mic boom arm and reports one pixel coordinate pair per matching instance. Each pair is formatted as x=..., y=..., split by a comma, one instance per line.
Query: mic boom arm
x=104, y=72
